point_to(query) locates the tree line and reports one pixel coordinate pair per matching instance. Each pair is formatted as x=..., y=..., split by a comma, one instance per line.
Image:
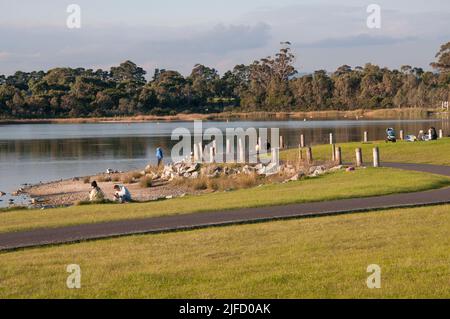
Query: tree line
x=269, y=84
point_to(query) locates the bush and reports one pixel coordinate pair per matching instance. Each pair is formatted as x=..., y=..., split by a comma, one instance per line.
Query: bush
x=103, y=179
x=127, y=179
x=86, y=180
x=200, y=183
x=136, y=175
x=145, y=182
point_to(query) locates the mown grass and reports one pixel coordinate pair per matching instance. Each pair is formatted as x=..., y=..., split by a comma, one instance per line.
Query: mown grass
x=433, y=152
x=323, y=257
x=340, y=185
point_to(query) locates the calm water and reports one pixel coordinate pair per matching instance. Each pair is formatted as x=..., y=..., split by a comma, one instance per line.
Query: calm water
x=31, y=153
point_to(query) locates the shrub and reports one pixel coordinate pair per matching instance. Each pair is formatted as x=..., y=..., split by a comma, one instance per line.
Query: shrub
x=136, y=175
x=86, y=180
x=145, y=181
x=127, y=179
x=200, y=183
x=103, y=179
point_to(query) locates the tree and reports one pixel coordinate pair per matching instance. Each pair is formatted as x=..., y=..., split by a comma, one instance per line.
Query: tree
x=443, y=59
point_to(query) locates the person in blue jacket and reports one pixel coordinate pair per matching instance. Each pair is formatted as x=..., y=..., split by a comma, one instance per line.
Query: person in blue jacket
x=159, y=155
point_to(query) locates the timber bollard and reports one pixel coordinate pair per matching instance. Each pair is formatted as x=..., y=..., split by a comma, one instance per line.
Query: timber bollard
x=300, y=153
x=366, y=137
x=333, y=152
x=401, y=135
x=241, y=152
x=302, y=141
x=309, y=155
x=331, y=138
x=376, y=157
x=338, y=156
x=281, y=142
x=359, y=159
x=441, y=134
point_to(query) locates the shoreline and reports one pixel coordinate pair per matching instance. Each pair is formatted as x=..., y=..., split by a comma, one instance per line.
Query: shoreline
x=404, y=113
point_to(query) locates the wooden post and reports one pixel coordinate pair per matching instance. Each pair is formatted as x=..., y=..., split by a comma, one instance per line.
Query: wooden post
x=333, y=152
x=211, y=154
x=376, y=157
x=366, y=137
x=196, y=159
x=228, y=146
x=241, y=152
x=281, y=142
x=441, y=134
x=300, y=153
x=331, y=138
x=359, y=159
x=302, y=141
x=309, y=155
x=401, y=135
x=276, y=156
x=200, y=152
x=338, y=156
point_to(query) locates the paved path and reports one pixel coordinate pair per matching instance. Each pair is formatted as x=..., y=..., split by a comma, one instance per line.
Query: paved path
x=70, y=234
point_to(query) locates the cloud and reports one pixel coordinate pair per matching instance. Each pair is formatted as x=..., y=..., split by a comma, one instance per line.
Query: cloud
x=179, y=47
x=356, y=41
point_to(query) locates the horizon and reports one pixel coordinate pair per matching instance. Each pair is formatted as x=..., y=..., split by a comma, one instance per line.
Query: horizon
x=176, y=35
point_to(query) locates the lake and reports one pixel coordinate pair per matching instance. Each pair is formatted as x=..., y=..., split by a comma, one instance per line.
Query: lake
x=33, y=153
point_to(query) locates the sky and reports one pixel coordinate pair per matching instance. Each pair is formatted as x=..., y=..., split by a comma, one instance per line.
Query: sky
x=177, y=34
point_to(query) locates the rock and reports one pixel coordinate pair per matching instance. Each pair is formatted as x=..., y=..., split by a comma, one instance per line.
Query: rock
x=195, y=175
x=193, y=168
x=2, y=193
x=336, y=168
x=297, y=177
x=350, y=169
x=169, y=197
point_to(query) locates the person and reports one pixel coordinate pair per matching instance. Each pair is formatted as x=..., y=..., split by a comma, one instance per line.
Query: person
x=433, y=136
x=96, y=194
x=122, y=194
x=159, y=155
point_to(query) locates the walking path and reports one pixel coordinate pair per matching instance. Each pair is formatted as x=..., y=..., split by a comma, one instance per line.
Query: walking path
x=71, y=234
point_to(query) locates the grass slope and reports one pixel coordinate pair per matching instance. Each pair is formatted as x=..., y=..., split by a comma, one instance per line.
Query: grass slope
x=340, y=185
x=308, y=258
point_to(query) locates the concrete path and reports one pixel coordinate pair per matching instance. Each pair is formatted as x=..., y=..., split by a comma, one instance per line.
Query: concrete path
x=71, y=234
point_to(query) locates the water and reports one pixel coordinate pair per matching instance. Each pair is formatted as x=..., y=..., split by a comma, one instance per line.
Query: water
x=33, y=153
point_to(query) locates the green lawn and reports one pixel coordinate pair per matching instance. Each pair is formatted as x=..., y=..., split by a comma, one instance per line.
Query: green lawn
x=340, y=185
x=323, y=257
x=433, y=152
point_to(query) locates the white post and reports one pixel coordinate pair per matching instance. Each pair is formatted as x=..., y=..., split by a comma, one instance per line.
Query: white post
x=359, y=159
x=401, y=135
x=281, y=142
x=228, y=146
x=333, y=152
x=276, y=156
x=441, y=134
x=366, y=137
x=376, y=157
x=331, y=138
x=302, y=141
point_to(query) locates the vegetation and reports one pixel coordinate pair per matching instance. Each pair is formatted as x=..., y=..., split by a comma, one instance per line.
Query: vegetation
x=323, y=257
x=270, y=84
x=340, y=185
x=433, y=152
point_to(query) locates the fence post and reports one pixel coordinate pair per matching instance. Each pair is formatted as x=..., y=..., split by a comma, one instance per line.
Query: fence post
x=281, y=142
x=366, y=137
x=276, y=156
x=333, y=152
x=401, y=135
x=309, y=155
x=200, y=153
x=376, y=157
x=359, y=159
x=300, y=153
x=441, y=134
x=331, y=138
x=338, y=156
x=302, y=141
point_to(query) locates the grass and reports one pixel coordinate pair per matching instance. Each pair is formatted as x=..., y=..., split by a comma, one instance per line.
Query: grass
x=323, y=257
x=340, y=185
x=433, y=152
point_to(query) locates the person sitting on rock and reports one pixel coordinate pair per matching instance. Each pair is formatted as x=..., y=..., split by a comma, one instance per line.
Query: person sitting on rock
x=96, y=194
x=122, y=194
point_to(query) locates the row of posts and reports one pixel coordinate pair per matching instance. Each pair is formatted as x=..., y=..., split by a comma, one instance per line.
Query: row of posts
x=336, y=151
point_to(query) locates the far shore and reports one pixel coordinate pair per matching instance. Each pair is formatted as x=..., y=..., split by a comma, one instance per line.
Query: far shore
x=404, y=113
